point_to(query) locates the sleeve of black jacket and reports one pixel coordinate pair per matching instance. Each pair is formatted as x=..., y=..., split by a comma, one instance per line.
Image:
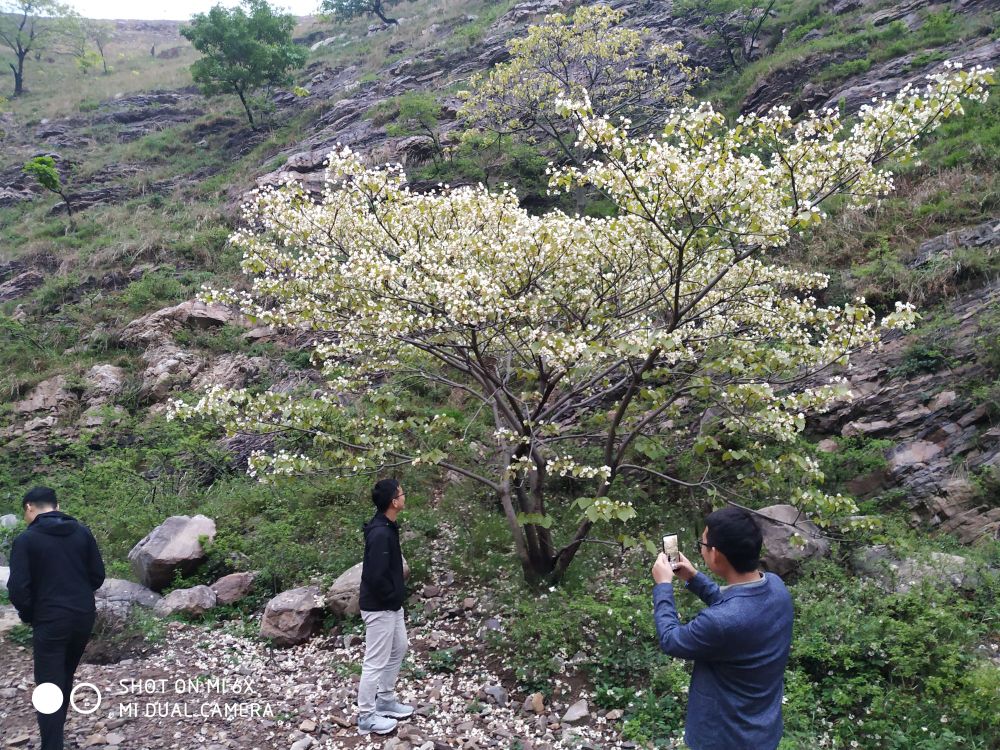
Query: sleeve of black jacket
x=95, y=563
x=19, y=582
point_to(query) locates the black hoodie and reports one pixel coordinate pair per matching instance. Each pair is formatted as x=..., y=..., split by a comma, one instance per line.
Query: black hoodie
x=55, y=568
x=382, y=585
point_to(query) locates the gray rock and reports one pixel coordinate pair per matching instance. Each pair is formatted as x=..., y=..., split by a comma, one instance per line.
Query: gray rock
x=497, y=693
x=290, y=617
x=171, y=546
x=915, y=452
x=49, y=395
x=4, y=576
x=577, y=712
x=8, y=521
x=230, y=371
x=985, y=235
x=789, y=538
x=343, y=595
x=196, y=600
x=900, y=575
x=105, y=382
x=20, y=285
x=8, y=618
x=116, y=598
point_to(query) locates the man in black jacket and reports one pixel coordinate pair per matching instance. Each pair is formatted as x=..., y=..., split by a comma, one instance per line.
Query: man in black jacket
x=382, y=594
x=55, y=568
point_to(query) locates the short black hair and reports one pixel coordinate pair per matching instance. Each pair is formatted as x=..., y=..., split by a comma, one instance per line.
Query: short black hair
x=383, y=492
x=40, y=497
x=735, y=534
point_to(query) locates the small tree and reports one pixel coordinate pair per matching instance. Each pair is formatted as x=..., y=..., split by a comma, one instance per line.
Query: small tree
x=29, y=26
x=100, y=34
x=245, y=49
x=624, y=72
x=735, y=24
x=350, y=8
x=43, y=169
x=592, y=350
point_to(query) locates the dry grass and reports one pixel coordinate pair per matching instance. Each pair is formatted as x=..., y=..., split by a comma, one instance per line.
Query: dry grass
x=57, y=88
x=421, y=24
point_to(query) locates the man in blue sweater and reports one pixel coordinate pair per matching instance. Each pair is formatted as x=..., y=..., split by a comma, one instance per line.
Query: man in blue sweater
x=739, y=643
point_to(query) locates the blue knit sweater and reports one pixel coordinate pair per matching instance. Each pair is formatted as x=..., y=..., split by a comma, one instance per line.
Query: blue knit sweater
x=739, y=644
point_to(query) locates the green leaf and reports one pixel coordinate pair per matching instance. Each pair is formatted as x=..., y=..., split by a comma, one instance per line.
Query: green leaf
x=535, y=519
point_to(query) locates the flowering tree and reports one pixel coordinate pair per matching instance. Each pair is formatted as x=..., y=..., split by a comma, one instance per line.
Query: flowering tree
x=624, y=73
x=579, y=340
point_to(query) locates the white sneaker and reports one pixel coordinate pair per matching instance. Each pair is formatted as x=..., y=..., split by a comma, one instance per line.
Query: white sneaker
x=372, y=722
x=393, y=708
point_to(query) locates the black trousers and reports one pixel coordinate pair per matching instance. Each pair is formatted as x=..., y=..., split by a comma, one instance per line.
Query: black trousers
x=58, y=646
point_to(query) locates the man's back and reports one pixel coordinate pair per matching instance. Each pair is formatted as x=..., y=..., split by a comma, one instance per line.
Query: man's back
x=740, y=645
x=55, y=569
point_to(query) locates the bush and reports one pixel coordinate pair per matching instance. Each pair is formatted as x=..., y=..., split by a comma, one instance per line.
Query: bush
x=160, y=286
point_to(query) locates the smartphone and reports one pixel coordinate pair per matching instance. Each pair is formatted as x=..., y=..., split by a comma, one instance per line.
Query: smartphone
x=670, y=549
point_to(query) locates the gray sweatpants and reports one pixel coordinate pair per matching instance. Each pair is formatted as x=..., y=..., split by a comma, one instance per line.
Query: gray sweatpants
x=385, y=647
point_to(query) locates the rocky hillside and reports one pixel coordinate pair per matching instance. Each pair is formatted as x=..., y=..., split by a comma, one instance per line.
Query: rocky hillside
x=99, y=328
x=157, y=175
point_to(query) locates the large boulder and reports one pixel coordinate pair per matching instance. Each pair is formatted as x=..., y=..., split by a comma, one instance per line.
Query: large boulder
x=8, y=521
x=789, y=538
x=116, y=598
x=233, y=587
x=291, y=616
x=900, y=575
x=342, y=598
x=4, y=576
x=196, y=600
x=173, y=545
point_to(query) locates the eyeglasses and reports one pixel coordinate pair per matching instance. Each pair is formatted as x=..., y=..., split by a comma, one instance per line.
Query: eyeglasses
x=702, y=544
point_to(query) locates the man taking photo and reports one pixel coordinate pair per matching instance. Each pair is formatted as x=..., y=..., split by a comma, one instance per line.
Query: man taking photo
x=739, y=642
x=55, y=568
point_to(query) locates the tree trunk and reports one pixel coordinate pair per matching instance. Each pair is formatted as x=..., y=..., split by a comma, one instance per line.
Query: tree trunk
x=18, y=75
x=104, y=61
x=246, y=106
x=377, y=8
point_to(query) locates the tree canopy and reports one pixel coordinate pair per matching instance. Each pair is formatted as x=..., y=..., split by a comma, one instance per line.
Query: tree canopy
x=43, y=169
x=245, y=49
x=593, y=351
x=625, y=74
x=352, y=8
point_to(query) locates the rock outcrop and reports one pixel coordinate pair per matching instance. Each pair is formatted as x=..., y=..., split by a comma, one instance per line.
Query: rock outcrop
x=900, y=575
x=933, y=425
